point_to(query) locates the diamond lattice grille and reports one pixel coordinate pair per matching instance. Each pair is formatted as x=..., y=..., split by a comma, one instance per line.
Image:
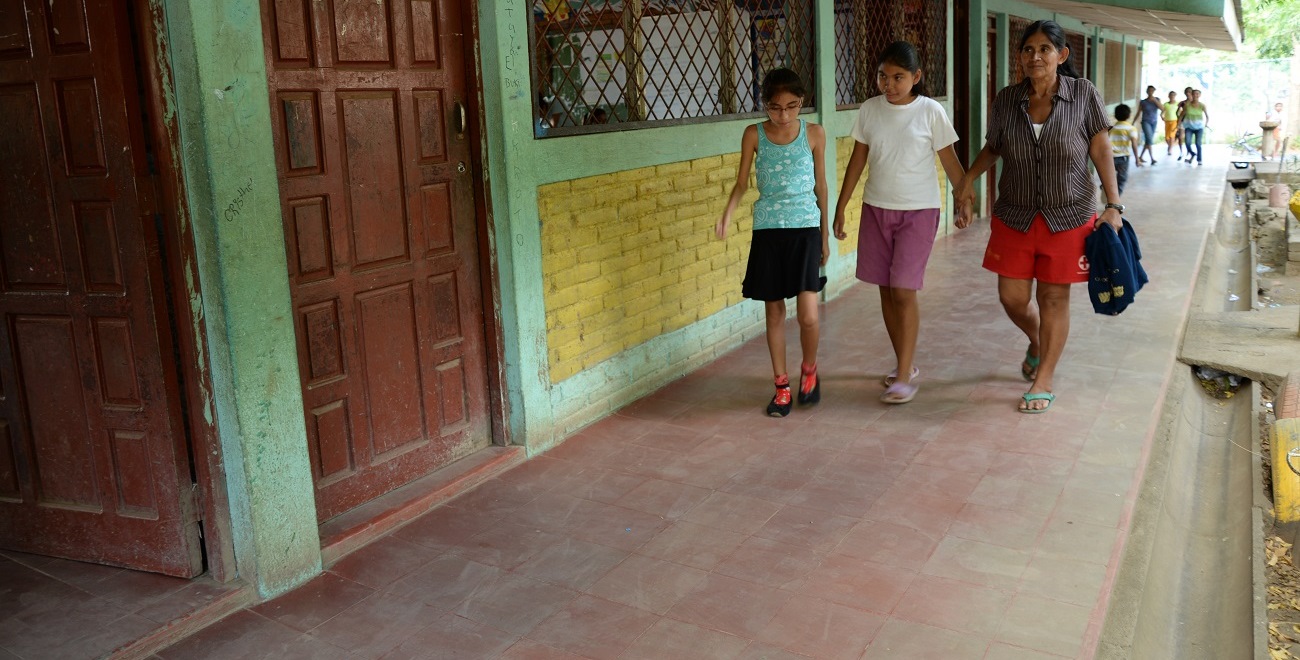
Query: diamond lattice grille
x=863, y=28
x=599, y=62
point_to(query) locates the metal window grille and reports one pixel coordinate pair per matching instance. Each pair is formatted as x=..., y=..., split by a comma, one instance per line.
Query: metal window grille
x=863, y=28
x=636, y=63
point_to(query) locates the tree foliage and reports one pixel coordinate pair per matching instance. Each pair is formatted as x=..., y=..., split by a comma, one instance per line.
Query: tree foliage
x=1271, y=27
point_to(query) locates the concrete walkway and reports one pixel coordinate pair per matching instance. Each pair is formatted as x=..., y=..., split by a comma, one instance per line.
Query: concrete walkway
x=691, y=526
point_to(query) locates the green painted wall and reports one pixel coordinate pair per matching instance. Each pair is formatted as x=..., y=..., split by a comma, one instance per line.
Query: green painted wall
x=541, y=414
x=233, y=195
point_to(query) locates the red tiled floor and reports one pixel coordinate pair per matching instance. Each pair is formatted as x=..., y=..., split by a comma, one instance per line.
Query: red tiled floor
x=889, y=544
x=904, y=640
x=572, y=563
x=593, y=628
x=770, y=563
x=649, y=584
x=856, y=583
x=730, y=605
x=811, y=528
x=672, y=640
x=315, y=602
x=954, y=605
x=451, y=636
x=688, y=524
x=822, y=629
x=373, y=626
x=514, y=603
x=692, y=545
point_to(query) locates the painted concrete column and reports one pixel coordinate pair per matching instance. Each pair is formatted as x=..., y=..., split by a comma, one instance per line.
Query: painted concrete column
x=514, y=165
x=229, y=167
x=824, y=91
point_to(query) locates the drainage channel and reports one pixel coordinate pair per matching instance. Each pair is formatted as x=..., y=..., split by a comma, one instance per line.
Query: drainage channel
x=1190, y=582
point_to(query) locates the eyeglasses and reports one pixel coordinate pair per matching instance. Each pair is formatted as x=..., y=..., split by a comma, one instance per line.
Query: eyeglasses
x=793, y=107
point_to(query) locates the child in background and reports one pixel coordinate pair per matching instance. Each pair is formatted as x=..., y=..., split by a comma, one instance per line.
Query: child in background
x=898, y=134
x=790, y=241
x=1123, y=141
x=1172, y=132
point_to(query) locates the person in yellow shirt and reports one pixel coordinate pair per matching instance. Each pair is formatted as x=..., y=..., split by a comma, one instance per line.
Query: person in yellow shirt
x=1123, y=141
x=1172, y=130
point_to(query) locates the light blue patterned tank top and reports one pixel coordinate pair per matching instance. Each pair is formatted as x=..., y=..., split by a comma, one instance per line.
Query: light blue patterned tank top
x=786, y=199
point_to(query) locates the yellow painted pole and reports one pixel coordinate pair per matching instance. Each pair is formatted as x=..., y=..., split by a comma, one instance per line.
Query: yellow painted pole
x=1286, y=481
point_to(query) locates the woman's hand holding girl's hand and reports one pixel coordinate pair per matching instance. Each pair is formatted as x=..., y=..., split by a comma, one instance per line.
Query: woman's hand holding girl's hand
x=964, y=214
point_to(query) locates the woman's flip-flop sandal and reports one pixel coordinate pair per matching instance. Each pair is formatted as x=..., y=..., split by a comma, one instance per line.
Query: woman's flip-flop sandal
x=899, y=392
x=893, y=376
x=1029, y=368
x=1030, y=397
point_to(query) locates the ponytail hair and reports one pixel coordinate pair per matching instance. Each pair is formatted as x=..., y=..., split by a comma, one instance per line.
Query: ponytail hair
x=904, y=56
x=1055, y=34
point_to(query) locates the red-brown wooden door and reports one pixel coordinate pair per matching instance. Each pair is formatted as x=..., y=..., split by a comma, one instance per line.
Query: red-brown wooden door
x=93, y=462
x=368, y=102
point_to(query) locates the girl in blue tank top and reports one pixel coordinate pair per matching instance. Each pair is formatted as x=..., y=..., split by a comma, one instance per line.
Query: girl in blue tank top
x=790, y=240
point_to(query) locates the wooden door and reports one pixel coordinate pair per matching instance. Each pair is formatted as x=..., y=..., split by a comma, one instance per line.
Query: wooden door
x=369, y=101
x=961, y=94
x=93, y=461
x=991, y=82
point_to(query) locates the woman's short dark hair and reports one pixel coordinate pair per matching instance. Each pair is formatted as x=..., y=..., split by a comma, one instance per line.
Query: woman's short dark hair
x=1055, y=34
x=904, y=56
x=782, y=80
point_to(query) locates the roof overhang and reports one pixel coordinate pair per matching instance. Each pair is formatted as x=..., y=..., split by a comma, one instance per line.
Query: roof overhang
x=1196, y=23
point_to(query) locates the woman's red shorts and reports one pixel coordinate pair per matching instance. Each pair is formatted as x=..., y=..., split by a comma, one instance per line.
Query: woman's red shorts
x=1038, y=254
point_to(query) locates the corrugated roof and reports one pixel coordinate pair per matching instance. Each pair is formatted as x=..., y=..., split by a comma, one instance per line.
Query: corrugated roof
x=1198, y=31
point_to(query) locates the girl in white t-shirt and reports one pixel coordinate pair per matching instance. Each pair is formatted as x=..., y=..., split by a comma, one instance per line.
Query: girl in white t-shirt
x=898, y=134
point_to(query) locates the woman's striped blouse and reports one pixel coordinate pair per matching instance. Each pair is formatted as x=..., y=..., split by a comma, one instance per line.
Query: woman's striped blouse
x=1048, y=174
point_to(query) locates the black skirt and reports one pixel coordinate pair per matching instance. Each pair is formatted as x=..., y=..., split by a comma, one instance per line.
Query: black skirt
x=783, y=263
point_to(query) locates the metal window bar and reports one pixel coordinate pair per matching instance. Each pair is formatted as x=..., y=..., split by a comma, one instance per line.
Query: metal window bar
x=636, y=63
x=863, y=28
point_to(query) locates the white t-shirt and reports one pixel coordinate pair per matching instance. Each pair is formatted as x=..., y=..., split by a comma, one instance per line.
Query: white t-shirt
x=901, y=175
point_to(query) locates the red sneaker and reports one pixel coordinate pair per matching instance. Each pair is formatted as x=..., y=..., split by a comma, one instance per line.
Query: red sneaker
x=780, y=405
x=810, y=386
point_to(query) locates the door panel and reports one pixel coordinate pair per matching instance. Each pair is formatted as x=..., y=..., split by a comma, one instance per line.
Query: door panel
x=93, y=461
x=381, y=238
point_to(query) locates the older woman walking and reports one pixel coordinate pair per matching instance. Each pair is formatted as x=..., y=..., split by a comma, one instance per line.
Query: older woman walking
x=1045, y=129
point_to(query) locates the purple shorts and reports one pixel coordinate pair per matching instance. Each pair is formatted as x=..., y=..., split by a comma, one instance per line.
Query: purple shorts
x=894, y=246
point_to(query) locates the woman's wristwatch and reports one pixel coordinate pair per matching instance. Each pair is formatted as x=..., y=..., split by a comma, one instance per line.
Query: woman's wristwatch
x=1117, y=207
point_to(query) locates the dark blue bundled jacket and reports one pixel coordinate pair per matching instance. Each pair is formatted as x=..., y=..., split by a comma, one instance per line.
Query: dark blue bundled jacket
x=1114, y=267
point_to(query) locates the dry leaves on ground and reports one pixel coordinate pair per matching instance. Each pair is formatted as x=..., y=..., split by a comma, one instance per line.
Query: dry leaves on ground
x=1283, y=600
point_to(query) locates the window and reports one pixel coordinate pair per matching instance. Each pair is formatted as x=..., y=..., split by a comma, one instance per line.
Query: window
x=1114, y=78
x=863, y=28
x=644, y=62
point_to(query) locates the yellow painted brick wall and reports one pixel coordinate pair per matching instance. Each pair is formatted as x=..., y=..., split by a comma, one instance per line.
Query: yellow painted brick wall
x=631, y=255
x=853, y=214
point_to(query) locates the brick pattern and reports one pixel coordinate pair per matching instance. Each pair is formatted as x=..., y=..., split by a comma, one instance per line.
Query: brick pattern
x=1287, y=403
x=631, y=255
